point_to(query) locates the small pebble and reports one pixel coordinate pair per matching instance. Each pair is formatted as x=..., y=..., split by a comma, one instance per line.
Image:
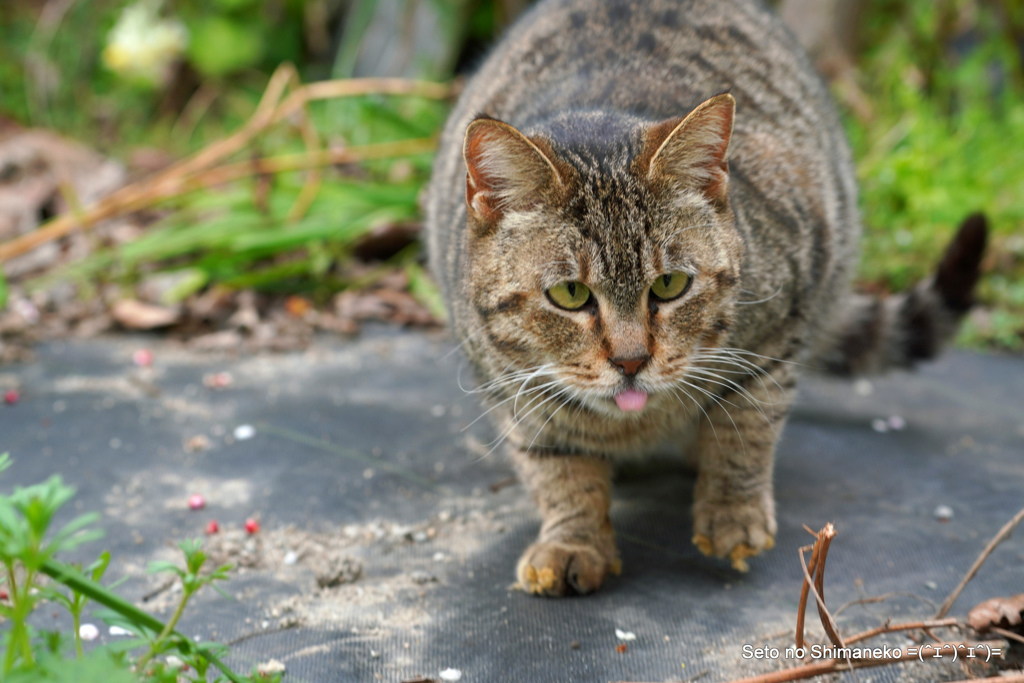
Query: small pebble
x=88, y=632
x=439, y=556
x=218, y=380
x=11, y=396
x=863, y=387
x=374, y=654
x=931, y=585
x=897, y=423
x=624, y=635
x=879, y=425
x=118, y=631
x=451, y=675
x=212, y=527
x=196, y=502
x=291, y=557
x=27, y=310
x=143, y=358
x=420, y=536
x=575, y=645
x=437, y=410
x=251, y=526
x=174, y=662
x=368, y=473
x=271, y=667
x=419, y=576
x=243, y=432
x=3, y=594
x=943, y=513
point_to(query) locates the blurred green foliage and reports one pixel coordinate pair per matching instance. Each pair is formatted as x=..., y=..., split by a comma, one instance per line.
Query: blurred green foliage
x=944, y=80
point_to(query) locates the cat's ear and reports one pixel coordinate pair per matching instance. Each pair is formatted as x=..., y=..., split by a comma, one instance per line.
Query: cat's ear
x=505, y=170
x=694, y=151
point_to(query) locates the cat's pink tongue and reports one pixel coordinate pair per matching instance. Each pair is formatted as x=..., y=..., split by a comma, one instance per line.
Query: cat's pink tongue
x=631, y=400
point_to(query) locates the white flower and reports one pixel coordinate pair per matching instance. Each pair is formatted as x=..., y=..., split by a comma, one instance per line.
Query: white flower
x=142, y=45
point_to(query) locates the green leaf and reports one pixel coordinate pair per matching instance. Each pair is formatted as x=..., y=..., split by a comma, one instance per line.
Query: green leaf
x=221, y=46
x=162, y=566
x=3, y=290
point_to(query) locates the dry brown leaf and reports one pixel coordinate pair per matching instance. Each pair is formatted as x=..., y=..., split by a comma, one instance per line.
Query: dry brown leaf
x=136, y=315
x=1002, y=612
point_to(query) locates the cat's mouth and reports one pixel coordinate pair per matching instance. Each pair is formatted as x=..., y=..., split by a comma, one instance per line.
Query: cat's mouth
x=631, y=400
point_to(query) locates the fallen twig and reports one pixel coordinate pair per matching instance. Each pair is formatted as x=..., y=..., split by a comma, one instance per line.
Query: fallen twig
x=880, y=598
x=909, y=626
x=192, y=173
x=818, y=555
x=828, y=666
x=805, y=590
x=1006, y=633
x=1001, y=536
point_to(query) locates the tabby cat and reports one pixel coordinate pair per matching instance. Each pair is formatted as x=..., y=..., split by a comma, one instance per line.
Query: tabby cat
x=644, y=220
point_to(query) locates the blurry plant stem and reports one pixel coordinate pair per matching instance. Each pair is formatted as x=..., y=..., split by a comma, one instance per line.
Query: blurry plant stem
x=167, y=630
x=78, y=583
x=196, y=172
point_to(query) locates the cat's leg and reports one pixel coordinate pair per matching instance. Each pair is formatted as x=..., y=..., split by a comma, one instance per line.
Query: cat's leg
x=734, y=504
x=576, y=546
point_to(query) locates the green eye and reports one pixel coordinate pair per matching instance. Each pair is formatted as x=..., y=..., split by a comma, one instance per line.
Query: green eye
x=570, y=295
x=670, y=285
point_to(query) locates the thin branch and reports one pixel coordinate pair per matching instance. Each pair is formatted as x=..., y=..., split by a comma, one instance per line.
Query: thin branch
x=909, y=626
x=269, y=111
x=1012, y=678
x=1009, y=635
x=880, y=598
x=830, y=666
x=141, y=195
x=805, y=590
x=825, y=537
x=1003, y=534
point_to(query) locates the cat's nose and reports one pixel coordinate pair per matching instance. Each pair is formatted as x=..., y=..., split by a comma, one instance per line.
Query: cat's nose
x=630, y=366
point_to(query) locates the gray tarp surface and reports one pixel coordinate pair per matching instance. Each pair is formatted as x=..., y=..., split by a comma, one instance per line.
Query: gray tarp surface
x=361, y=460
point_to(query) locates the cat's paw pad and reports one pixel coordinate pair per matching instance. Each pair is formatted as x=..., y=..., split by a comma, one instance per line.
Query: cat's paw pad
x=555, y=568
x=736, y=531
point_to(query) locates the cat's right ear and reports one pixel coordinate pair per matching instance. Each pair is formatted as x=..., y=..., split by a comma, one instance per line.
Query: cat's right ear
x=505, y=170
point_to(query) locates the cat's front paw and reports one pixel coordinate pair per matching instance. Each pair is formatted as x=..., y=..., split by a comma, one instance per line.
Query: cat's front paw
x=557, y=568
x=736, y=529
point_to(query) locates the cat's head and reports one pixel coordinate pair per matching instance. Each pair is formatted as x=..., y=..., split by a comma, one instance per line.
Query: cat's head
x=602, y=251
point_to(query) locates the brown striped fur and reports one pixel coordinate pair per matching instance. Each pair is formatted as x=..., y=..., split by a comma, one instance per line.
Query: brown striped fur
x=597, y=144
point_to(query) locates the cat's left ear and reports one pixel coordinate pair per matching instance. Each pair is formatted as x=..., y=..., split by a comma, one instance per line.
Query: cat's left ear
x=693, y=151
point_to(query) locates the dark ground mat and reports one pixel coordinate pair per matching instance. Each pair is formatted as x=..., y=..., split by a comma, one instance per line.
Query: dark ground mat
x=362, y=474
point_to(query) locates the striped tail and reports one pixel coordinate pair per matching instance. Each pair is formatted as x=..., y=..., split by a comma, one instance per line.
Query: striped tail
x=873, y=335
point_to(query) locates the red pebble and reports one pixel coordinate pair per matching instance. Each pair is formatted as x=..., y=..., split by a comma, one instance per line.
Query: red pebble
x=11, y=396
x=212, y=527
x=251, y=526
x=196, y=502
x=3, y=594
x=143, y=358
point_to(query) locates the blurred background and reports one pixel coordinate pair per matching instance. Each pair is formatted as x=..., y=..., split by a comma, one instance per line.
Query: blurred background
x=301, y=213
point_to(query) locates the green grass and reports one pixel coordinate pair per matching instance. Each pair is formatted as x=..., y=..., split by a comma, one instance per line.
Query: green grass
x=945, y=141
